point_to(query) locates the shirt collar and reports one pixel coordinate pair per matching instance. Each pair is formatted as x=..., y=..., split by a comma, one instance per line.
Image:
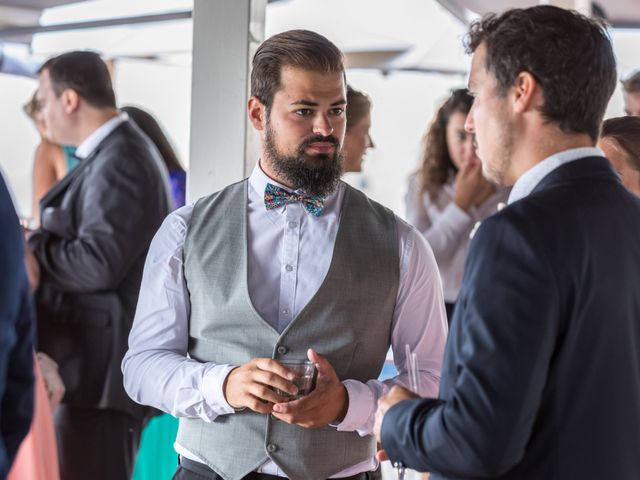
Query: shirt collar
x=530, y=179
x=92, y=141
x=258, y=180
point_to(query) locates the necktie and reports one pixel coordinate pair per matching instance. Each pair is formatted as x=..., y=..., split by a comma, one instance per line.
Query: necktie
x=275, y=197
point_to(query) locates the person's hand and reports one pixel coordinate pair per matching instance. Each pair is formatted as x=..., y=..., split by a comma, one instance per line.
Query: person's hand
x=33, y=268
x=396, y=394
x=471, y=188
x=248, y=386
x=328, y=403
x=52, y=381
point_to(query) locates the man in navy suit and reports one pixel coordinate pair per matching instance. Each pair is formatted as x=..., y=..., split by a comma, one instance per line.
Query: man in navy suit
x=541, y=378
x=16, y=336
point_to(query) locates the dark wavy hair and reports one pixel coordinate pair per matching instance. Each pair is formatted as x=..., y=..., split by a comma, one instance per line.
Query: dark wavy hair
x=152, y=129
x=625, y=131
x=570, y=56
x=437, y=166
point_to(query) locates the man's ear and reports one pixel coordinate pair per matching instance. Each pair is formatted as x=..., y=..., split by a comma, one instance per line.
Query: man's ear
x=257, y=114
x=527, y=93
x=70, y=100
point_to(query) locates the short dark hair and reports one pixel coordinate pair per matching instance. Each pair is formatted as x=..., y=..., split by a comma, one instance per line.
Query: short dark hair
x=625, y=131
x=86, y=73
x=296, y=48
x=631, y=84
x=569, y=54
x=358, y=106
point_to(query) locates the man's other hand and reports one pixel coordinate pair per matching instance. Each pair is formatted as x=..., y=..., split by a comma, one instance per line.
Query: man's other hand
x=251, y=385
x=396, y=394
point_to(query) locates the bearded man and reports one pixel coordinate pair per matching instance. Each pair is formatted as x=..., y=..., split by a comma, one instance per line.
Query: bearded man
x=288, y=264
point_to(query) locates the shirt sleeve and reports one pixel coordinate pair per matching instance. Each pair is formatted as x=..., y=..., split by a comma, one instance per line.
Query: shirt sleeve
x=444, y=231
x=156, y=368
x=419, y=321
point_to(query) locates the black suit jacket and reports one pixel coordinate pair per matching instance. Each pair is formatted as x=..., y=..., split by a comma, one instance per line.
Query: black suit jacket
x=16, y=336
x=541, y=378
x=97, y=224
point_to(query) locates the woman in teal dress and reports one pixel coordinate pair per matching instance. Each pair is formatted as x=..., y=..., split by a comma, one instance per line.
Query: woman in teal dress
x=157, y=460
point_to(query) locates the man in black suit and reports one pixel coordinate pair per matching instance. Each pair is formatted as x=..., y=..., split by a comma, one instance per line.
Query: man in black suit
x=97, y=224
x=16, y=336
x=541, y=378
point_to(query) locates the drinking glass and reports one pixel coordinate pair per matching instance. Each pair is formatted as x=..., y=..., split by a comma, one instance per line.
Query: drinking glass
x=411, y=362
x=305, y=378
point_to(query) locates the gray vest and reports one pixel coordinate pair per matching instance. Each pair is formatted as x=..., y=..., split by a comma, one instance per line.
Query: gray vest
x=348, y=320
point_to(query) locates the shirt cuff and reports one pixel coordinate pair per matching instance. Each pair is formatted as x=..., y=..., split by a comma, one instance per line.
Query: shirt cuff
x=212, y=391
x=361, y=408
x=455, y=217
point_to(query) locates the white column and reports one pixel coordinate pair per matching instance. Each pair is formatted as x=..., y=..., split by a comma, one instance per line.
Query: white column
x=582, y=6
x=222, y=144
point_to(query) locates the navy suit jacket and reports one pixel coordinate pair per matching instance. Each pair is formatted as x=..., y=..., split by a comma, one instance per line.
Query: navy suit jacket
x=541, y=378
x=16, y=336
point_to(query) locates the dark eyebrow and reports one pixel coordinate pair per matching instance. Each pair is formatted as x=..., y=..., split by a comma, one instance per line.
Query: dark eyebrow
x=309, y=103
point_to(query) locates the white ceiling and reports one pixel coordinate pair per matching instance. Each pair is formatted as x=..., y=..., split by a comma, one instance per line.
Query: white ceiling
x=619, y=13
x=15, y=13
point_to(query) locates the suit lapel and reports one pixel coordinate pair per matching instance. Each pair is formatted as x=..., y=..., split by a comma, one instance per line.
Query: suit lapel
x=54, y=195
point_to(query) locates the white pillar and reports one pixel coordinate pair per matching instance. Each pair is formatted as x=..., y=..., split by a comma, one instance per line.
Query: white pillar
x=222, y=144
x=582, y=6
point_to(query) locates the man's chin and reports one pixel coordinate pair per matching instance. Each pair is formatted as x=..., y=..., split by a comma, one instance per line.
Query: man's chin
x=317, y=160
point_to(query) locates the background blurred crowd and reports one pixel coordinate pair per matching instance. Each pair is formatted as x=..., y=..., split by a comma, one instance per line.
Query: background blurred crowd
x=134, y=180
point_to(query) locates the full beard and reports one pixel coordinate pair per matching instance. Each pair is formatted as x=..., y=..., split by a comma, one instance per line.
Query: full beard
x=315, y=174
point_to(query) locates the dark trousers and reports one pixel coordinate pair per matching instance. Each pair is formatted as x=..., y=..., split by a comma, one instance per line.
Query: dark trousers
x=96, y=444
x=190, y=470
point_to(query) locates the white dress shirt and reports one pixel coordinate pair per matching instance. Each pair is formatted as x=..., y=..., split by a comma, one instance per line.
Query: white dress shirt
x=532, y=177
x=289, y=252
x=92, y=141
x=447, y=228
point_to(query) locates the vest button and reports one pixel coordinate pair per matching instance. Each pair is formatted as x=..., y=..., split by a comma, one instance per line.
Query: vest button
x=272, y=447
x=282, y=350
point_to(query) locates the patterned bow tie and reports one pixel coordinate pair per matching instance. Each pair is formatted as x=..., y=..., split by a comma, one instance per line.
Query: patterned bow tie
x=275, y=197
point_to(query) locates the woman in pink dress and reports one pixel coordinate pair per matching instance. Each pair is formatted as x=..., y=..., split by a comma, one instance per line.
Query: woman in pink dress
x=37, y=458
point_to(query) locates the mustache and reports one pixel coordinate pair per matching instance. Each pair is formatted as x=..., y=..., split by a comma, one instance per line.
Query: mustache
x=320, y=138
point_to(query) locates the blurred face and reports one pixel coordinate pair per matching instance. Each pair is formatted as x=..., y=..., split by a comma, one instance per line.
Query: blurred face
x=618, y=158
x=459, y=141
x=632, y=103
x=52, y=111
x=38, y=120
x=356, y=143
x=490, y=121
x=305, y=130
